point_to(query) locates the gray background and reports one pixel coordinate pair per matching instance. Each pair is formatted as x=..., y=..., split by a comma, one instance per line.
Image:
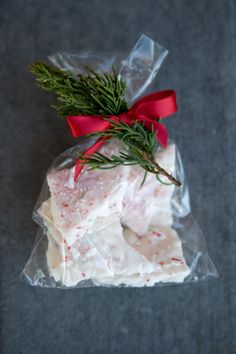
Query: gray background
x=197, y=318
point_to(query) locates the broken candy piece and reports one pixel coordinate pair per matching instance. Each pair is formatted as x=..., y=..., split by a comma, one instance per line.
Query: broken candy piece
x=156, y=257
x=76, y=205
x=161, y=259
x=151, y=203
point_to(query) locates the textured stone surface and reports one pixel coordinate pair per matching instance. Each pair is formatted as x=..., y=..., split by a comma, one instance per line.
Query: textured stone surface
x=198, y=318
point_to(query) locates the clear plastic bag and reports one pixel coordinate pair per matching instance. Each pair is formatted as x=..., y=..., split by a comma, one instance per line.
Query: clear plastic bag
x=107, y=228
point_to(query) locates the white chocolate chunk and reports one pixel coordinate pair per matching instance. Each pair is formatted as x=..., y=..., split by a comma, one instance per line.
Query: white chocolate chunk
x=76, y=205
x=151, y=203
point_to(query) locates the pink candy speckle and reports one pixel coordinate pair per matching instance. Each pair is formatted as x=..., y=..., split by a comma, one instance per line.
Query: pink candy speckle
x=176, y=260
x=139, y=236
x=156, y=233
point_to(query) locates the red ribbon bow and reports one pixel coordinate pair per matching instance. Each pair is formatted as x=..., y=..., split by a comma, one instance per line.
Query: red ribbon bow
x=149, y=110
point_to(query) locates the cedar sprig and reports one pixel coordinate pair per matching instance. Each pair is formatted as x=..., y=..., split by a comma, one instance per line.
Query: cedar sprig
x=102, y=95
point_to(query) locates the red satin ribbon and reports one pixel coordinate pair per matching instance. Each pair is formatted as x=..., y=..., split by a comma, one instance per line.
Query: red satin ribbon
x=149, y=109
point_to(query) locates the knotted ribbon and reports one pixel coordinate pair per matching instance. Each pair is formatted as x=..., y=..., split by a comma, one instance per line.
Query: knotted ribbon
x=149, y=110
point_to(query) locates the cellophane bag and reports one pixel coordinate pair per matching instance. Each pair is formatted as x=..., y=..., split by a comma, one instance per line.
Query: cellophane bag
x=109, y=227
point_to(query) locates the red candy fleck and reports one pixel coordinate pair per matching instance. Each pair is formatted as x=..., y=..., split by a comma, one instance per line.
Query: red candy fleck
x=176, y=259
x=65, y=205
x=156, y=233
x=161, y=263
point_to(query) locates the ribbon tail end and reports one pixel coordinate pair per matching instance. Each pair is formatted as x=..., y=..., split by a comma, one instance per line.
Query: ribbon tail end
x=162, y=135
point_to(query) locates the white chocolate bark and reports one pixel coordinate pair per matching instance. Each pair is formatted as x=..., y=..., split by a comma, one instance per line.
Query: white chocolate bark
x=149, y=205
x=76, y=205
x=107, y=229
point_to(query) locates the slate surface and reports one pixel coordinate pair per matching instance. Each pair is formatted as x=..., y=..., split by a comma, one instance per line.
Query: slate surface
x=196, y=319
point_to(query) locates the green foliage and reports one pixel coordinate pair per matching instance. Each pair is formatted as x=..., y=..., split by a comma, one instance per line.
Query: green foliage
x=102, y=94
x=94, y=94
x=140, y=146
x=137, y=140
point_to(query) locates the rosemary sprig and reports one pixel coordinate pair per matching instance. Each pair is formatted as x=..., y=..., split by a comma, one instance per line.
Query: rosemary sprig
x=140, y=149
x=94, y=94
x=102, y=95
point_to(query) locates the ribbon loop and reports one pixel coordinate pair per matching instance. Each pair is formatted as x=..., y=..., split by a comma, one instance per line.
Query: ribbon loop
x=159, y=104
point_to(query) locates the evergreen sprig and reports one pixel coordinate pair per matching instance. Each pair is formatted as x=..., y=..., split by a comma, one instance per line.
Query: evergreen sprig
x=140, y=147
x=102, y=94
